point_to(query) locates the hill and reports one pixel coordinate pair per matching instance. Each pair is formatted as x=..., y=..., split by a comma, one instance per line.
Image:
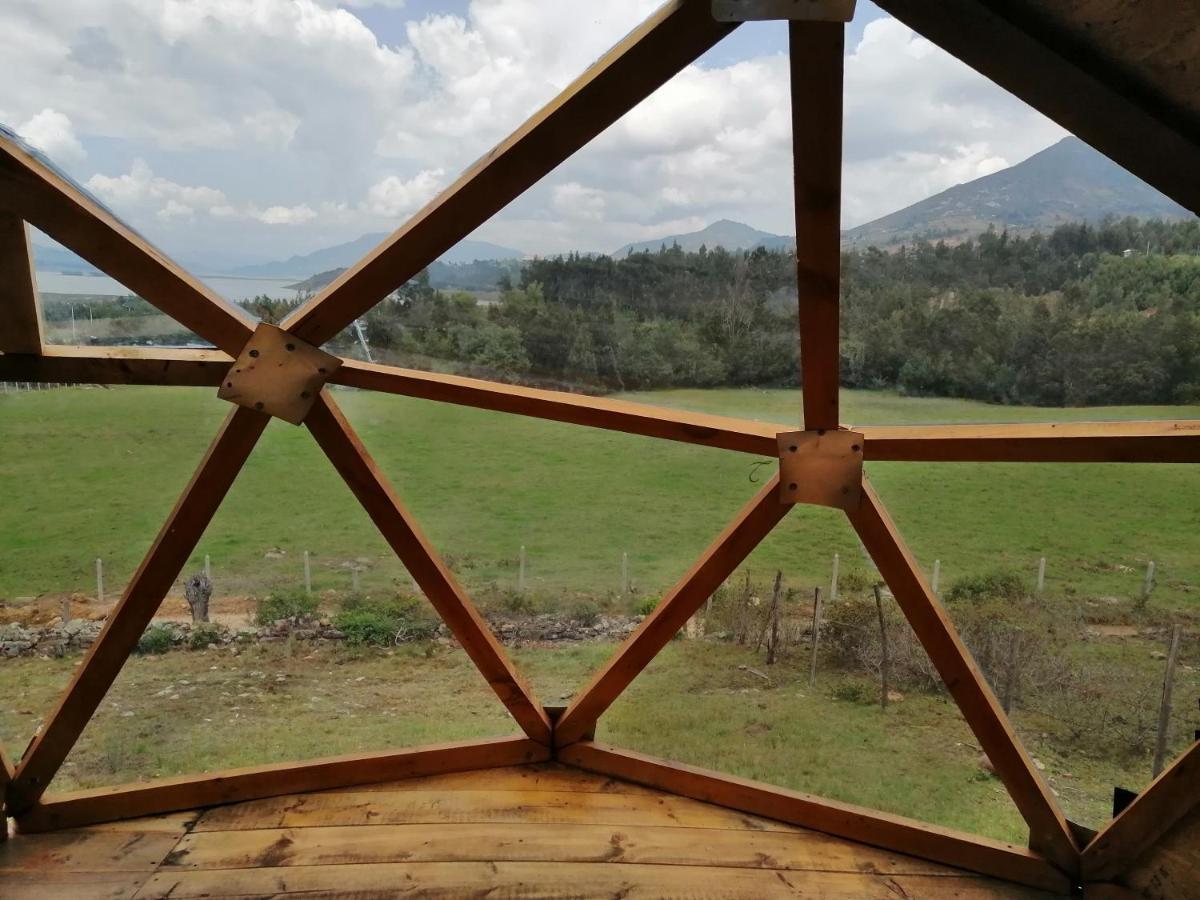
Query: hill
x=722, y=233
x=1066, y=182
x=343, y=255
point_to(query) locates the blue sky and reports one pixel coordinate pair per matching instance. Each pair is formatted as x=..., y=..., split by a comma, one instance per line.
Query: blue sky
x=236, y=131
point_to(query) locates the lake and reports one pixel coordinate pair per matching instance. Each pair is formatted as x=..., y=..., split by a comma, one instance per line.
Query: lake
x=229, y=287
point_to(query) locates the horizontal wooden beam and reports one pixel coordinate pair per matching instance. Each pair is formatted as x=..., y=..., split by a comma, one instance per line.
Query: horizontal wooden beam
x=117, y=365
x=20, y=305
x=1171, y=796
x=144, y=594
x=891, y=832
x=41, y=195
x=1066, y=442
x=235, y=785
x=731, y=547
x=674, y=36
x=1087, y=96
x=559, y=406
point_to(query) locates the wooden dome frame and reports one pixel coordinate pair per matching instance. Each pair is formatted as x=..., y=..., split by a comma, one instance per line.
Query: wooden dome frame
x=1060, y=856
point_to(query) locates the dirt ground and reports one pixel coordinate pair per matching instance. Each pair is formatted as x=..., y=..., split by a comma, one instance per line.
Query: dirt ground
x=233, y=612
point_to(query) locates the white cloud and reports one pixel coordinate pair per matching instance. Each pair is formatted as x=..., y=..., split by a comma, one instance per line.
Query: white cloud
x=51, y=132
x=394, y=197
x=285, y=215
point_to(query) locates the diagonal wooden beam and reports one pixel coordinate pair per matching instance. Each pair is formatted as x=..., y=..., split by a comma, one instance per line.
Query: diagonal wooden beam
x=673, y=37
x=856, y=823
x=1069, y=442
x=401, y=530
x=1171, y=796
x=816, y=51
x=753, y=523
x=20, y=307
x=165, y=795
x=145, y=592
x=1050, y=834
x=1086, y=95
x=38, y=193
x=6, y=775
x=596, y=412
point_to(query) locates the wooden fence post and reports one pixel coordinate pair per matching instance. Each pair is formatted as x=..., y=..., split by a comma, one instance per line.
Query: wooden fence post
x=1164, y=708
x=1148, y=583
x=937, y=574
x=883, y=647
x=1041, y=581
x=307, y=575
x=833, y=579
x=773, y=620
x=207, y=567
x=624, y=572
x=816, y=635
x=99, y=580
x=521, y=572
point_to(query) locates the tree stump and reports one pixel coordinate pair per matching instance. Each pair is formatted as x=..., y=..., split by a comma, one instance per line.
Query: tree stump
x=198, y=591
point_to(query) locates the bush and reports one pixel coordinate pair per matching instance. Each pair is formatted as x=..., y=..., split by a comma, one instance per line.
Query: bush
x=203, y=635
x=643, y=606
x=383, y=622
x=155, y=640
x=290, y=604
x=998, y=585
x=519, y=602
x=584, y=612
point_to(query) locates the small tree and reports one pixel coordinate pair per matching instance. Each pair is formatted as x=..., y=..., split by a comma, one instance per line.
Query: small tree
x=198, y=591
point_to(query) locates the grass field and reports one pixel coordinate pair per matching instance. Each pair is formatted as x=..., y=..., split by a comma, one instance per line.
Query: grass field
x=92, y=473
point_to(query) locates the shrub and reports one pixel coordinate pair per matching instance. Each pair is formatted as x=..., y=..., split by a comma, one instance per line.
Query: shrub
x=519, y=602
x=155, y=640
x=643, y=606
x=203, y=635
x=384, y=621
x=998, y=585
x=290, y=604
x=585, y=612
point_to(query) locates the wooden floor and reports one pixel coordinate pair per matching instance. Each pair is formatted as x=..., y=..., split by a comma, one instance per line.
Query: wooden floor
x=532, y=831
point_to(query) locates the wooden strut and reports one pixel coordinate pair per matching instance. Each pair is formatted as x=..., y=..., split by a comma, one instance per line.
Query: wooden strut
x=20, y=307
x=235, y=785
x=902, y=835
x=1050, y=833
x=6, y=776
x=816, y=50
x=1171, y=796
x=753, y=523
x=401, y=531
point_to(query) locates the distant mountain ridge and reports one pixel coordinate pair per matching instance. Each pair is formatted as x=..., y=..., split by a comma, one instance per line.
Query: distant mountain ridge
x=1066, y=182
x=722, y=233
x=343, y=255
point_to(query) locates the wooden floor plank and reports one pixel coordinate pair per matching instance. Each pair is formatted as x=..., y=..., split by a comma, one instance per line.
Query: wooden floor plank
x=20, y=884
x=477, y=807
x=658, y=845
x=559, y=880
x=534, y=777
x=109, y=851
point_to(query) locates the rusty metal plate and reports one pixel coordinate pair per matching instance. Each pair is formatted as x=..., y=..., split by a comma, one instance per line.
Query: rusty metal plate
x=795, y=10
x=278, y=374
x=821, y=467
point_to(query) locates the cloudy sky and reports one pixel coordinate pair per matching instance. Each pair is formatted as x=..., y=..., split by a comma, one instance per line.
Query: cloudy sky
x=239, y=131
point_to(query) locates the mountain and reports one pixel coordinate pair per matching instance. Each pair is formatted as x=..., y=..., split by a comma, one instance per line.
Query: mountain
x=723, y=233
x=59, y=259
x=347, y=254
x=1066, y=182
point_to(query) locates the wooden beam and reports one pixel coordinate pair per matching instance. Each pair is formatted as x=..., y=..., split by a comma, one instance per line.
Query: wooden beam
x=1067, y=442
x=38, y=193
x=674, y=36
x=578, y=409
x=1171, y=796
x=117, y=365
x=753, y=523
x=438, y=583
x=145, y=592
x=1085, y=96
x=816, y=50
x=1050, y=833
x=6, y=776
x=20, y=306
x=235, y=785
x=891, y=832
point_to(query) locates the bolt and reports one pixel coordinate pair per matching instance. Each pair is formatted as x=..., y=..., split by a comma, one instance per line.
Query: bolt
x=254, y=353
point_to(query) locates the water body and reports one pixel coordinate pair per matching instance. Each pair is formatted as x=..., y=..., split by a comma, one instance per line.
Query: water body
x=229, y=287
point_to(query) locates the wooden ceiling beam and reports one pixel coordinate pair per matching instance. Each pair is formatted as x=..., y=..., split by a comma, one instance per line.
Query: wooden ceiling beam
x=674, y=36
x=20, y=306
x=1047, y=71
x=38, y=193
x=117, y=365
x=128, y=619
x=1050, y=834
x=753, y=523
x=398, y=527
x=879, y=829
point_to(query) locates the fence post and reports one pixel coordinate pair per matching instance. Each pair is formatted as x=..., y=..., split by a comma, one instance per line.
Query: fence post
x=816, y=635
x=521, y=572
x=207, y=567
x=66, y=610
x=1041, y=582
x=937, y=574
x=833, y=578
x=624, y=572
x=1148, y=584
x=1164, y=709
x=354, y=579
x=307, y=575
x=99, y=580
x=883, y=647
